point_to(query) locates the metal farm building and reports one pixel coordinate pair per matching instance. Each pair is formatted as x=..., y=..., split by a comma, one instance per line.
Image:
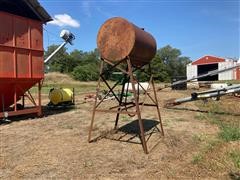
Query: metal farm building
x=209, y=63
x=21, y=55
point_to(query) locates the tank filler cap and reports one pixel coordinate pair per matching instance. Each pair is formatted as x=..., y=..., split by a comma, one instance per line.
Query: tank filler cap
x=67, y=36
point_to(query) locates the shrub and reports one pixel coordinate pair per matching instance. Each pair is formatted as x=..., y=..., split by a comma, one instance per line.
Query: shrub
x=88, y=72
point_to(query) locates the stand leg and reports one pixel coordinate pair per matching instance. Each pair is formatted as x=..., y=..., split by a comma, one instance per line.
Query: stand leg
x=95, y=103
x=157, y=105
x=136, y=98
x=116, y=121
x=121, y=100
x=39, y=99
x=15, y=98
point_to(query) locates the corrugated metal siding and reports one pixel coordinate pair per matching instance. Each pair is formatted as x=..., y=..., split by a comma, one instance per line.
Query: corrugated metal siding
x=21, y=47
x=208, y=60
x=21, y=56
x=191, y=71
x=228, y=75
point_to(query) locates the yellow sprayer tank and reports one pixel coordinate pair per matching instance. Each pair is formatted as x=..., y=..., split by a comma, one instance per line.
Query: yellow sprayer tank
x=61, y=95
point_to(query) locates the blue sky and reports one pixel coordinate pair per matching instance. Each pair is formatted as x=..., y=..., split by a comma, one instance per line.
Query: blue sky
x=197, y=27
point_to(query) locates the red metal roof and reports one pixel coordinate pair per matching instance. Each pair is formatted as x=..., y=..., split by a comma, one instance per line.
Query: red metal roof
x=208, y=60
x=25, y=8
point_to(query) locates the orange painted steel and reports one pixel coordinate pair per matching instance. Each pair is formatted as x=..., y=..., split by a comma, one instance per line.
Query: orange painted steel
x=118, y=39
x=21, y=59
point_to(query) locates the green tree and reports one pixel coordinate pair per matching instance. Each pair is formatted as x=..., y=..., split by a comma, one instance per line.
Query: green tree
x=84, y=66
x=86, y=72
x=58, y=61
x=88, y=68
x=168, y=63
x=159, y=69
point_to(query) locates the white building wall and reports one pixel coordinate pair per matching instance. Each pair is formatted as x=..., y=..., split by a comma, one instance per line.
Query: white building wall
x=191, y=71
x=228, y=75
x=143, y=86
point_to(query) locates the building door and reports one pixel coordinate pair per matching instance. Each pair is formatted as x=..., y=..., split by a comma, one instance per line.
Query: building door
x=204, y=69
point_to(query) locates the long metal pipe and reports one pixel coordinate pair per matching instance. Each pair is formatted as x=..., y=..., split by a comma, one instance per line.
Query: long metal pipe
x=68, y=37
x=210, y=73
x=205, y=95
x=51, y=55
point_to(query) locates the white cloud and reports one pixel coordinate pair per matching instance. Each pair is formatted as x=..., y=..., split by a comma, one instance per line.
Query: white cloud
x=64, y=20
x=104, y=13
x=87, y=8
x=90, y=6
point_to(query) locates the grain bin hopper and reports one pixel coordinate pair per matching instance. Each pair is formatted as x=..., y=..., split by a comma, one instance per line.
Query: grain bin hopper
x=21, y=54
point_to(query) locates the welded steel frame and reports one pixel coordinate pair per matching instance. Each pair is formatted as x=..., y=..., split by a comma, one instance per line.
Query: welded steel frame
x=123, y=107
x=35, y=109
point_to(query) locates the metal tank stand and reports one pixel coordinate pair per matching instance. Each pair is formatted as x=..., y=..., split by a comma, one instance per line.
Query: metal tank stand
x=123, y=107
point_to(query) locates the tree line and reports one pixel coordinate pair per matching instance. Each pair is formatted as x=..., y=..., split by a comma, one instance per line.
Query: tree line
x=84, y=66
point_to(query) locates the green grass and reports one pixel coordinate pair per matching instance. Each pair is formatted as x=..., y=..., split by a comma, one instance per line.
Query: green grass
x=180, y=119
x=78, y=88
x=207, y=144
x=197, y=138
x=235, y=156
x=229, y=130
x=197, y=158
x=125, y=118
x=200, y=116
x=229, y=81
x=229, y=133
x=44, y=90
x=211, y=144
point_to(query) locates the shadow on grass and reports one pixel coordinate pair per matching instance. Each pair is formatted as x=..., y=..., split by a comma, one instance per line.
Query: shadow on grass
x=234, y=175
x=53, y=110
x=46, y=110
x=133, y=127
x=130, y=132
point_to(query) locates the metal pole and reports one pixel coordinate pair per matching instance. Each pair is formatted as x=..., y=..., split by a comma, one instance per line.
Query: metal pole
x=3, y=108
x=205, y=95
x=210, y=73
x=95, y=103
x=156, y=100
x=51, y=55
x=120, y=102
x=39, y=99
x=136, y=98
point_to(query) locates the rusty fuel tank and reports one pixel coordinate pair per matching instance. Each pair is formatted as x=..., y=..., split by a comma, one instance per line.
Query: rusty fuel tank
x=118, y=39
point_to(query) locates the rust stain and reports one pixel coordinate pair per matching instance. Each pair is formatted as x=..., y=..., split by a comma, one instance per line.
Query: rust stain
x=118, y=38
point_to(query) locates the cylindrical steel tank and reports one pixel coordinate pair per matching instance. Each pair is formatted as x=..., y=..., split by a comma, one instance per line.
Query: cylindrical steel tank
x=60, y=95
x=118, y=39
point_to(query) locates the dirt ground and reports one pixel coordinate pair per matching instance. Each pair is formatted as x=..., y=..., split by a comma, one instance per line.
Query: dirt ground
x=55, y=146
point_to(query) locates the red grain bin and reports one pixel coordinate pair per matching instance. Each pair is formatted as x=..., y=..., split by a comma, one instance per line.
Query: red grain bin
x=21, y=62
